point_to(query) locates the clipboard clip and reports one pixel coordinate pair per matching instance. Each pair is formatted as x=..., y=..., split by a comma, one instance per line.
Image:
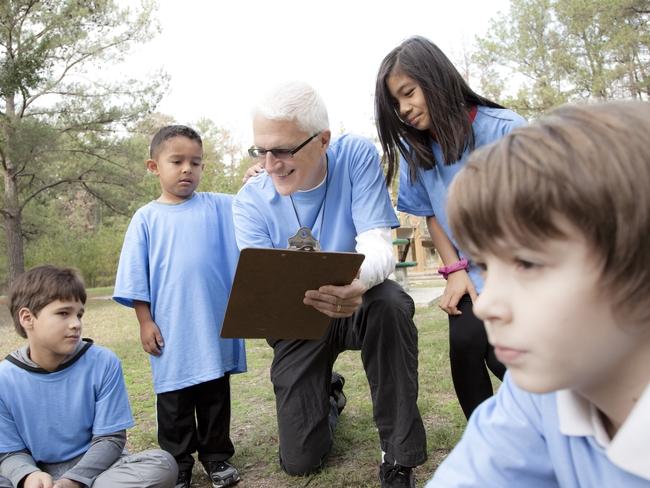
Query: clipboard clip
x=303, y=240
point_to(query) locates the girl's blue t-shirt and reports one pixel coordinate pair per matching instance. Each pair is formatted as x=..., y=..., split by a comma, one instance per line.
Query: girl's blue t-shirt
x=354, y=199
x=55, y=415
x=182, y=259
x=428, y=195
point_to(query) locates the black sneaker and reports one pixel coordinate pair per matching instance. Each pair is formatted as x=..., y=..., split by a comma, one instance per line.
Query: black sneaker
x=396, y=476
x=184, y=479
x=221, y=473
x=336, y=391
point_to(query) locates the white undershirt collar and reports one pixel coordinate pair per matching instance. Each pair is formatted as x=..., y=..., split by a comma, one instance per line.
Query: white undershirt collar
x=628, y=449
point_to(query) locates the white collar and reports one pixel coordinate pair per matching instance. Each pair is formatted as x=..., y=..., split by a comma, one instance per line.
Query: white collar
x=628, y=449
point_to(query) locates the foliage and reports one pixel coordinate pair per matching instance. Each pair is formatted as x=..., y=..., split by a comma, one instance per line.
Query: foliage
x=61, y=118
x=553, y=51
x=224, y=163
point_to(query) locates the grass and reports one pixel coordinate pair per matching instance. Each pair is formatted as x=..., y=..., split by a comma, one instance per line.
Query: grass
x=355, y=456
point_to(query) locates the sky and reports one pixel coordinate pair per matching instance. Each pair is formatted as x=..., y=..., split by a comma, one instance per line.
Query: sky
x=223, y=55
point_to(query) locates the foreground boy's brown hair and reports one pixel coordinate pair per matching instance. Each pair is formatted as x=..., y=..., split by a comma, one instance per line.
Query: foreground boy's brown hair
x=40, y=286
x=586, y=164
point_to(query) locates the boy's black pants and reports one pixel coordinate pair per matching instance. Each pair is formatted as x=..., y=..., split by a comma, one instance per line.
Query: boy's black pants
x=469, y=354
x=196, y=418
x=301, y=371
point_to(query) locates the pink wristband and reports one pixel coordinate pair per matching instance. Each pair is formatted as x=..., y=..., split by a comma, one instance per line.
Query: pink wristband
x=445, y=271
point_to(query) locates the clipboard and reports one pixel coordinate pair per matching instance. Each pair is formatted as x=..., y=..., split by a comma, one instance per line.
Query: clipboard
x=266, y=296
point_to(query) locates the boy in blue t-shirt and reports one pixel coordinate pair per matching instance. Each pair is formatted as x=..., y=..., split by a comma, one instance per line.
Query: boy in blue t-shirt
x=64, y=409
x=176, y=269
x=557, y=215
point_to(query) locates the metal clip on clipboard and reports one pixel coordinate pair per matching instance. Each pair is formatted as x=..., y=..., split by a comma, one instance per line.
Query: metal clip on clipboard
x=303, y=240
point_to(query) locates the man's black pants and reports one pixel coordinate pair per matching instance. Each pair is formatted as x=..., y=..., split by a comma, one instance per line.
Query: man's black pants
x=383, y=330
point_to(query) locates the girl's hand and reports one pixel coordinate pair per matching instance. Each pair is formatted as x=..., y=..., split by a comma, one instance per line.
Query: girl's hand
x=458, y=284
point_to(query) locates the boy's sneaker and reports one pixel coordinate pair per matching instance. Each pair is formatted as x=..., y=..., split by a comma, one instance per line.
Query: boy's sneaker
x=221, y=473
x=336, y=391
x=396, y=476
x=184, y=479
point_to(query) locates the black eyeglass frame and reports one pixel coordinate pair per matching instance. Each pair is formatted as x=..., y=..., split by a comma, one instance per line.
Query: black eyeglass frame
x=258, y=153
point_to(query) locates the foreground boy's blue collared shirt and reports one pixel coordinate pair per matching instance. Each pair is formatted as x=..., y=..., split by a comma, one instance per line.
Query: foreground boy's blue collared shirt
x=518, y=438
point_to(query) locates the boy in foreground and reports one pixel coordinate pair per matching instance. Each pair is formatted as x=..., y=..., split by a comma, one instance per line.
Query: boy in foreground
x=558, y=216
x=64, y=409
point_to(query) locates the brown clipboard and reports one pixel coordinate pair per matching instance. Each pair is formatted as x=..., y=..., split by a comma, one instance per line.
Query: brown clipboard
x=269, y=286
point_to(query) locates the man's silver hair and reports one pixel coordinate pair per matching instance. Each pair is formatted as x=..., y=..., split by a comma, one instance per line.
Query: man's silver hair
x=297, y=101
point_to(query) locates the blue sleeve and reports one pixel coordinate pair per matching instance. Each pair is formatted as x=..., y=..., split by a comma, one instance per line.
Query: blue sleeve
x=412, y=196
x=371, y=205
x=250, y=228
x=503, y=445
x=112, y=409
x=10, y=439
x=132, y=280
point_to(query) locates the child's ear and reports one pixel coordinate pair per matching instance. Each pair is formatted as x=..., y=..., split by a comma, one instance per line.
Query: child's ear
x=152, y=166
x=26, y=318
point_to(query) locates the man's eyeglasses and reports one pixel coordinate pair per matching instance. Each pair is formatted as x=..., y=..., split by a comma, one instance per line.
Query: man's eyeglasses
x=259, y=153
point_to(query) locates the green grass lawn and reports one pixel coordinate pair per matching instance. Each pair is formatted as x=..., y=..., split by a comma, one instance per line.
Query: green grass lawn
x=355, y=458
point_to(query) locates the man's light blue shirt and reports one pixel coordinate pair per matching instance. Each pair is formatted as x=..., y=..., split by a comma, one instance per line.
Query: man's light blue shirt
x=354, y=194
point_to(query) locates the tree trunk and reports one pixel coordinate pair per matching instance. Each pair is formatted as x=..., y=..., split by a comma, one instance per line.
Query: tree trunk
x=13, y=229
x=11, y=210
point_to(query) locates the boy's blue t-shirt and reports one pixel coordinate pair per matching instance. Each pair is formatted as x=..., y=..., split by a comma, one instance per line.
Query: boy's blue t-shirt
x=428, y=195
x=354, y=199
x=55, y=415
x=514, y=439
x=182, y=259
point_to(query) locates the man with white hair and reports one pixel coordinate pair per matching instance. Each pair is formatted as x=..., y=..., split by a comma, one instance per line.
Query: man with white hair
x=335, y=191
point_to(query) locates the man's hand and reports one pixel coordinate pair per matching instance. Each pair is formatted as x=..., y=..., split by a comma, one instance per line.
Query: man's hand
x=458, y=284
x=336, y=301
x=67, y=483
x=253, y=171
x=151, y=338
x=38, y=479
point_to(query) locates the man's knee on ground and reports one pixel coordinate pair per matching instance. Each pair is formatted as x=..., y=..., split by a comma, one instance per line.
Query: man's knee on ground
x=301, y=465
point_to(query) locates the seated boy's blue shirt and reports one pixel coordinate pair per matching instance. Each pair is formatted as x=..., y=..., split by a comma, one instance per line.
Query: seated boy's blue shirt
x=514, y=439
x=356, y=200
x=428, y=195
x=182, y=259
x=54, y=416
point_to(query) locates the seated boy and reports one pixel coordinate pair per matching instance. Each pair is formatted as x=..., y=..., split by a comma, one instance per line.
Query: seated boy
x=558, y=216
x=64, y=409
